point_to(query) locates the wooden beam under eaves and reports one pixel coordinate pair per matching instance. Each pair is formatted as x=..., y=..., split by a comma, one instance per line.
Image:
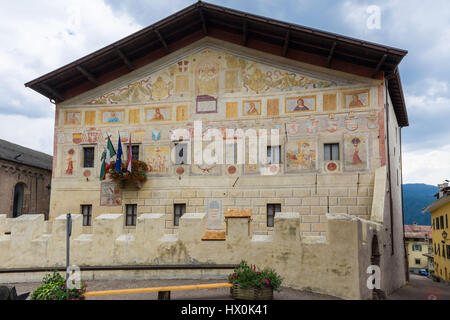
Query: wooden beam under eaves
x=88, y=75
x=202, y=18
x=286, y=43
x=331, y=54
x=54, y=92
x=125, y=59
x=244, y=33
x=162, y=40
x=382, y=60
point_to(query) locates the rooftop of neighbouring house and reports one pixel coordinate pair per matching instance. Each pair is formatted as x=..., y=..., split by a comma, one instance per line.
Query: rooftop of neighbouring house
x=19, y=154
x=202, y=19
x=417, y=231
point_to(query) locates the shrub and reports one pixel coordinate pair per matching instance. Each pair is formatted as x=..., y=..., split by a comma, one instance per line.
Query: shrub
x=53, y=287
x=247, y=276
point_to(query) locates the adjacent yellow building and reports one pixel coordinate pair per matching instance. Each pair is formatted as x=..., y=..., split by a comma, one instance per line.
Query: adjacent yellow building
x=440, y=210
x=418, y=242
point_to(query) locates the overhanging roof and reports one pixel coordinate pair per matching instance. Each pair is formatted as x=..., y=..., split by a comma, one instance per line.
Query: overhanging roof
x=19, y=154
x=202, y=19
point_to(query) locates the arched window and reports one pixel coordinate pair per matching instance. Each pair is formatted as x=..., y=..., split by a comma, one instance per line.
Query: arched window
x=19, y=190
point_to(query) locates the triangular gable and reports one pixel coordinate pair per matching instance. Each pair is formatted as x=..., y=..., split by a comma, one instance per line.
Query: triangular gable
x=213, y=72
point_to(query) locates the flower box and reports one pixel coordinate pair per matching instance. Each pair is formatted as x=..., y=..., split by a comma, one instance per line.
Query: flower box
x=251, y=293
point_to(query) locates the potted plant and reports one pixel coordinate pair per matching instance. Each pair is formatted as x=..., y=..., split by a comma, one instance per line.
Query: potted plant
x=137, y=176
x=250, y=283
x=53, y=287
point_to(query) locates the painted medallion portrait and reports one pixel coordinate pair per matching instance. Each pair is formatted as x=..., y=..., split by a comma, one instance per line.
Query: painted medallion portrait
x=356, y=99
x=300, y=104
x=113, y=116
x=158, y=114
x=72, y=118
x=251, y=108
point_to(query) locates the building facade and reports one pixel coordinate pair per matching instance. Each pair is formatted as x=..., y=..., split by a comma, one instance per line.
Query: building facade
x=332, y=161
x=420, y=249
x=25, y=179
x=439, y=210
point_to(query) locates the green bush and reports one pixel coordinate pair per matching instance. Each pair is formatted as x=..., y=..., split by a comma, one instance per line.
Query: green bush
x=53, y=287
x=247, y=276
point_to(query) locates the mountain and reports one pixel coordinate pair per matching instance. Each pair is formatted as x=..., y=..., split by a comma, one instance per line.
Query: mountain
x=417, y=196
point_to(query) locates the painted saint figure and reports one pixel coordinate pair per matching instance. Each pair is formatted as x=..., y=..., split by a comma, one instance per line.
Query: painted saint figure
x=356, y=158
x=69, y=170
x=301, y=105
x=157, y=116
x=252, y=111
x=355, y=103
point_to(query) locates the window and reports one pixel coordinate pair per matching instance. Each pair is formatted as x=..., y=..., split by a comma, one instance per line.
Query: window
x=331, y=151
x=437, y=223
x=180, y=153
x=433, y=225
x=86, y=211
x=417, y=247
x=442, y=222
x=448, y=251
x=88, y=157
x=178, y=210
x=417, y=261
x=19, y=190
x=439, y=249
x=131, y=213
x=435, y=250
x=273, y=154
x=446, y=221
x=272, y=208
x=134, y=152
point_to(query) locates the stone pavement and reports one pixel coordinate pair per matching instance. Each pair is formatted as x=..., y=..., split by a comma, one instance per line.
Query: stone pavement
x=422, y=288
x=203, y=294
x=419, y=288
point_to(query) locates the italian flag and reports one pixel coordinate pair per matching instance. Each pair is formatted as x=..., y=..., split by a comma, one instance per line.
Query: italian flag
x=106, y=159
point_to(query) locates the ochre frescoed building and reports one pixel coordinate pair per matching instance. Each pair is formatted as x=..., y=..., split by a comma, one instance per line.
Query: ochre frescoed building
x=328, y=210
x=440, y=212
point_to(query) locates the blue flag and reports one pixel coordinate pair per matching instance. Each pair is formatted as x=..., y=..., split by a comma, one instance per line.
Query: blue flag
x=119, y=157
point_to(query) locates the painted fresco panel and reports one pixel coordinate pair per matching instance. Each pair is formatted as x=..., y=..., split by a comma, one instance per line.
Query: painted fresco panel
x=156, y=114
x=301, y=155
x=112, y=116
x=300, y=104
x=158, y=159
x=355, y=152
x=356, y=99
x=110, y=194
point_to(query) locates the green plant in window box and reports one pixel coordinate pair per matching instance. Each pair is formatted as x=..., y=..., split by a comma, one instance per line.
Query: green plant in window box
x=138, y=173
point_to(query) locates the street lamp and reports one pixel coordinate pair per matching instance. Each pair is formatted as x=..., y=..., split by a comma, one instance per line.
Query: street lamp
x=444, y=236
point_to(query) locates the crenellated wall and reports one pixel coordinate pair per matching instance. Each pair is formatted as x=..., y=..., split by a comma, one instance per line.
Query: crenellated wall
x=330, y=265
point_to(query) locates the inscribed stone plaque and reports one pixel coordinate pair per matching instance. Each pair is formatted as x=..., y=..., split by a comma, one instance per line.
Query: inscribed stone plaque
x=214, y=214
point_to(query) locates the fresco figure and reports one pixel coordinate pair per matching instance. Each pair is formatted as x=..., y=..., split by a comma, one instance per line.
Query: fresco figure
x=356, y=159
x=355, y=103
x=158, y=116
x=69, y=170
x=252, y=111
x=113, y=117
x=301, y=105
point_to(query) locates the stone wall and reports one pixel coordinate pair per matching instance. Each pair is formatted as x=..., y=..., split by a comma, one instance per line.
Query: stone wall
x=330, y=266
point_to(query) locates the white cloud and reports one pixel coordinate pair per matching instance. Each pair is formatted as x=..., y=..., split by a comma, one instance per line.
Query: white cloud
x=40, y=36
x=427, y=166
x=32, y=133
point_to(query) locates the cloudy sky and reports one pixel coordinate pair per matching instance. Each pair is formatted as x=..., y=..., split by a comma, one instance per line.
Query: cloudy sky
x=37, y=37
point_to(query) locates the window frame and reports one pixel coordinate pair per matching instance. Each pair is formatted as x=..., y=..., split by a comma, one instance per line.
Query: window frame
x=89, y=214
x=275, y=206
x=85, y=147
x=132, y=215
x=185, y=156
x=330, y=145
x=176, y=215
x=270, y=158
